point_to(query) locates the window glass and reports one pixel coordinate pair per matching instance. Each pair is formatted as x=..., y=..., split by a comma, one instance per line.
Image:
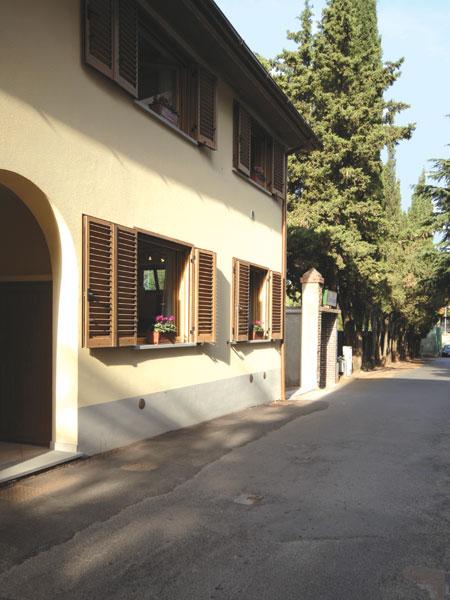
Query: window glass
x=160, y=274
x=258, y=298
x=159, y=82
x=149, y=282
x=259, y=156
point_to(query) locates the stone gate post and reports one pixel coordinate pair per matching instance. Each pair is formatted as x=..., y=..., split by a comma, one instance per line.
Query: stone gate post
x=312, y=282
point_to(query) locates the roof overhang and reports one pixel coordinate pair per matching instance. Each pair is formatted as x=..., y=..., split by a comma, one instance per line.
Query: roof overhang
x=202, y=26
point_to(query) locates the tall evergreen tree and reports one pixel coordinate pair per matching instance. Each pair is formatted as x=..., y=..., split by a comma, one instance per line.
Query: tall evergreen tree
x=337, y=79
x=392, y=201
x=440, y=194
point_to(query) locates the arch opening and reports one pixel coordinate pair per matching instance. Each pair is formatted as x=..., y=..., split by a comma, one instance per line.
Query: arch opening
x=26, y=359
x=51, y=263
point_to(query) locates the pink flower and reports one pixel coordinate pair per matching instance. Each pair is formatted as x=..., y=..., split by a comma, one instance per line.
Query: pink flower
x=171, y=318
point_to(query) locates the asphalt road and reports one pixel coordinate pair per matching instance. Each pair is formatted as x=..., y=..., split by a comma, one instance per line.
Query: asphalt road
x=346, y=498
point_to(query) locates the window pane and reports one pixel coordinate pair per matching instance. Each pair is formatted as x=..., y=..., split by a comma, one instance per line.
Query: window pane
x=161, y=278
x=149, y=282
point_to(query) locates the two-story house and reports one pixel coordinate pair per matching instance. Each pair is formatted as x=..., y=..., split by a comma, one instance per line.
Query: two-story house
x=142, y=187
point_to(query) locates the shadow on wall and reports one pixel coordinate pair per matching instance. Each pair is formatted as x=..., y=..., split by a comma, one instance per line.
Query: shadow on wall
x=129, y=418
x=110, y=117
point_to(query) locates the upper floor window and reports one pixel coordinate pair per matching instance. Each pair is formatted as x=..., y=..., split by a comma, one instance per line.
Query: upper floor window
x=160, y=81
x=256, y=154
x=122, y=42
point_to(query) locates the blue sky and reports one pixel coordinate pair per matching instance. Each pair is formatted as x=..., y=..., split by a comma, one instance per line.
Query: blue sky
x=418, y=30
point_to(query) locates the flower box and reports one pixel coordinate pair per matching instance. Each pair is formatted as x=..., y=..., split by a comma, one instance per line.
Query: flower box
x=165, y=112
x=257, y=335
x=164, y=330
x=158, y=337
x=258, y=176
x=257, y=331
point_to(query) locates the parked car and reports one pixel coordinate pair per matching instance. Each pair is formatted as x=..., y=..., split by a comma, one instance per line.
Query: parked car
x=446, y=350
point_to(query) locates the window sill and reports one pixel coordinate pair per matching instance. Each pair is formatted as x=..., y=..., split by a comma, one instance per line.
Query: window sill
x=166, y=123
x=256, y=185
x=165, y=346
x=238, y=342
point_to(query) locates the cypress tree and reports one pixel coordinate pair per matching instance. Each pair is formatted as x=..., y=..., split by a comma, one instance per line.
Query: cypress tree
x=337, y=79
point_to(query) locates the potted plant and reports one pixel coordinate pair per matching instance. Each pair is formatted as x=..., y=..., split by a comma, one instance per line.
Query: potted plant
x=258, y=175
x=164, y=330
x=163, y=107
x=257, y=330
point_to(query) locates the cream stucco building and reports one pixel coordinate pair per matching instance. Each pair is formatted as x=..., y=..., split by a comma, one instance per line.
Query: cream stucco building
x=142, y=173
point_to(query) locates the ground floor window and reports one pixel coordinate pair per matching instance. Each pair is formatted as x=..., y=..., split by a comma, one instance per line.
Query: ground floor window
x=257, y=303
x=136, y=283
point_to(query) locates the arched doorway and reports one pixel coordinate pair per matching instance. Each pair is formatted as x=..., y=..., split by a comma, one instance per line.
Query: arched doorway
x=25, y=326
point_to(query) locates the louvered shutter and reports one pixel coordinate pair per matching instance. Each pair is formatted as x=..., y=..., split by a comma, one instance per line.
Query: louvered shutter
x=241, y=300
x=279, y=159
x=126, y=285
x=269, y=164
x=205, y=296
x=126, y=46
x=207, y=109
x=98, y=35
x=98, y=283
x=276, y=306
x=244, y=133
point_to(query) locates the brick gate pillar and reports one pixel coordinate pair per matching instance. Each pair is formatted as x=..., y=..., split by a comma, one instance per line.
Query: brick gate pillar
x=312, y=282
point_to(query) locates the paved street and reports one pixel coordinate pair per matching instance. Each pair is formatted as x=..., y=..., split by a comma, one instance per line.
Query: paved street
x=345, y=498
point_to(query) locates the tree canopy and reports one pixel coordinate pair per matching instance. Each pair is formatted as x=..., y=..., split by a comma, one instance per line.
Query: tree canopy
x=345, y=216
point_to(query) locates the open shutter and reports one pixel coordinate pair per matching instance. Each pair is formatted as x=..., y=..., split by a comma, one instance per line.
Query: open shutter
x=241, y=300
x=126, y=269
x=98, y=283
x=207, y=109
x=276, y=306
x=98, y=35
x=243, y=139
x=279, y=177
x=126, y=46
x=269, y=164
x=205, y=296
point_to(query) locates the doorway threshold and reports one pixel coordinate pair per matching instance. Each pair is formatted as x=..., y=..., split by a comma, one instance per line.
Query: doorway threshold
x=20, y=460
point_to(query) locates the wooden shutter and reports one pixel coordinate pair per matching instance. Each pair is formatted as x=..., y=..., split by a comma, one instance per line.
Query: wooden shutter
x=98, y=283
x=205, y=296
x=269, y=164
x=126, y=278
x=276, y=306
x=241, y=300
x=98, y=35
x=279, y=158
x=243, y=140
x=126, y=46
x=207, y=109
x=191, y=109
